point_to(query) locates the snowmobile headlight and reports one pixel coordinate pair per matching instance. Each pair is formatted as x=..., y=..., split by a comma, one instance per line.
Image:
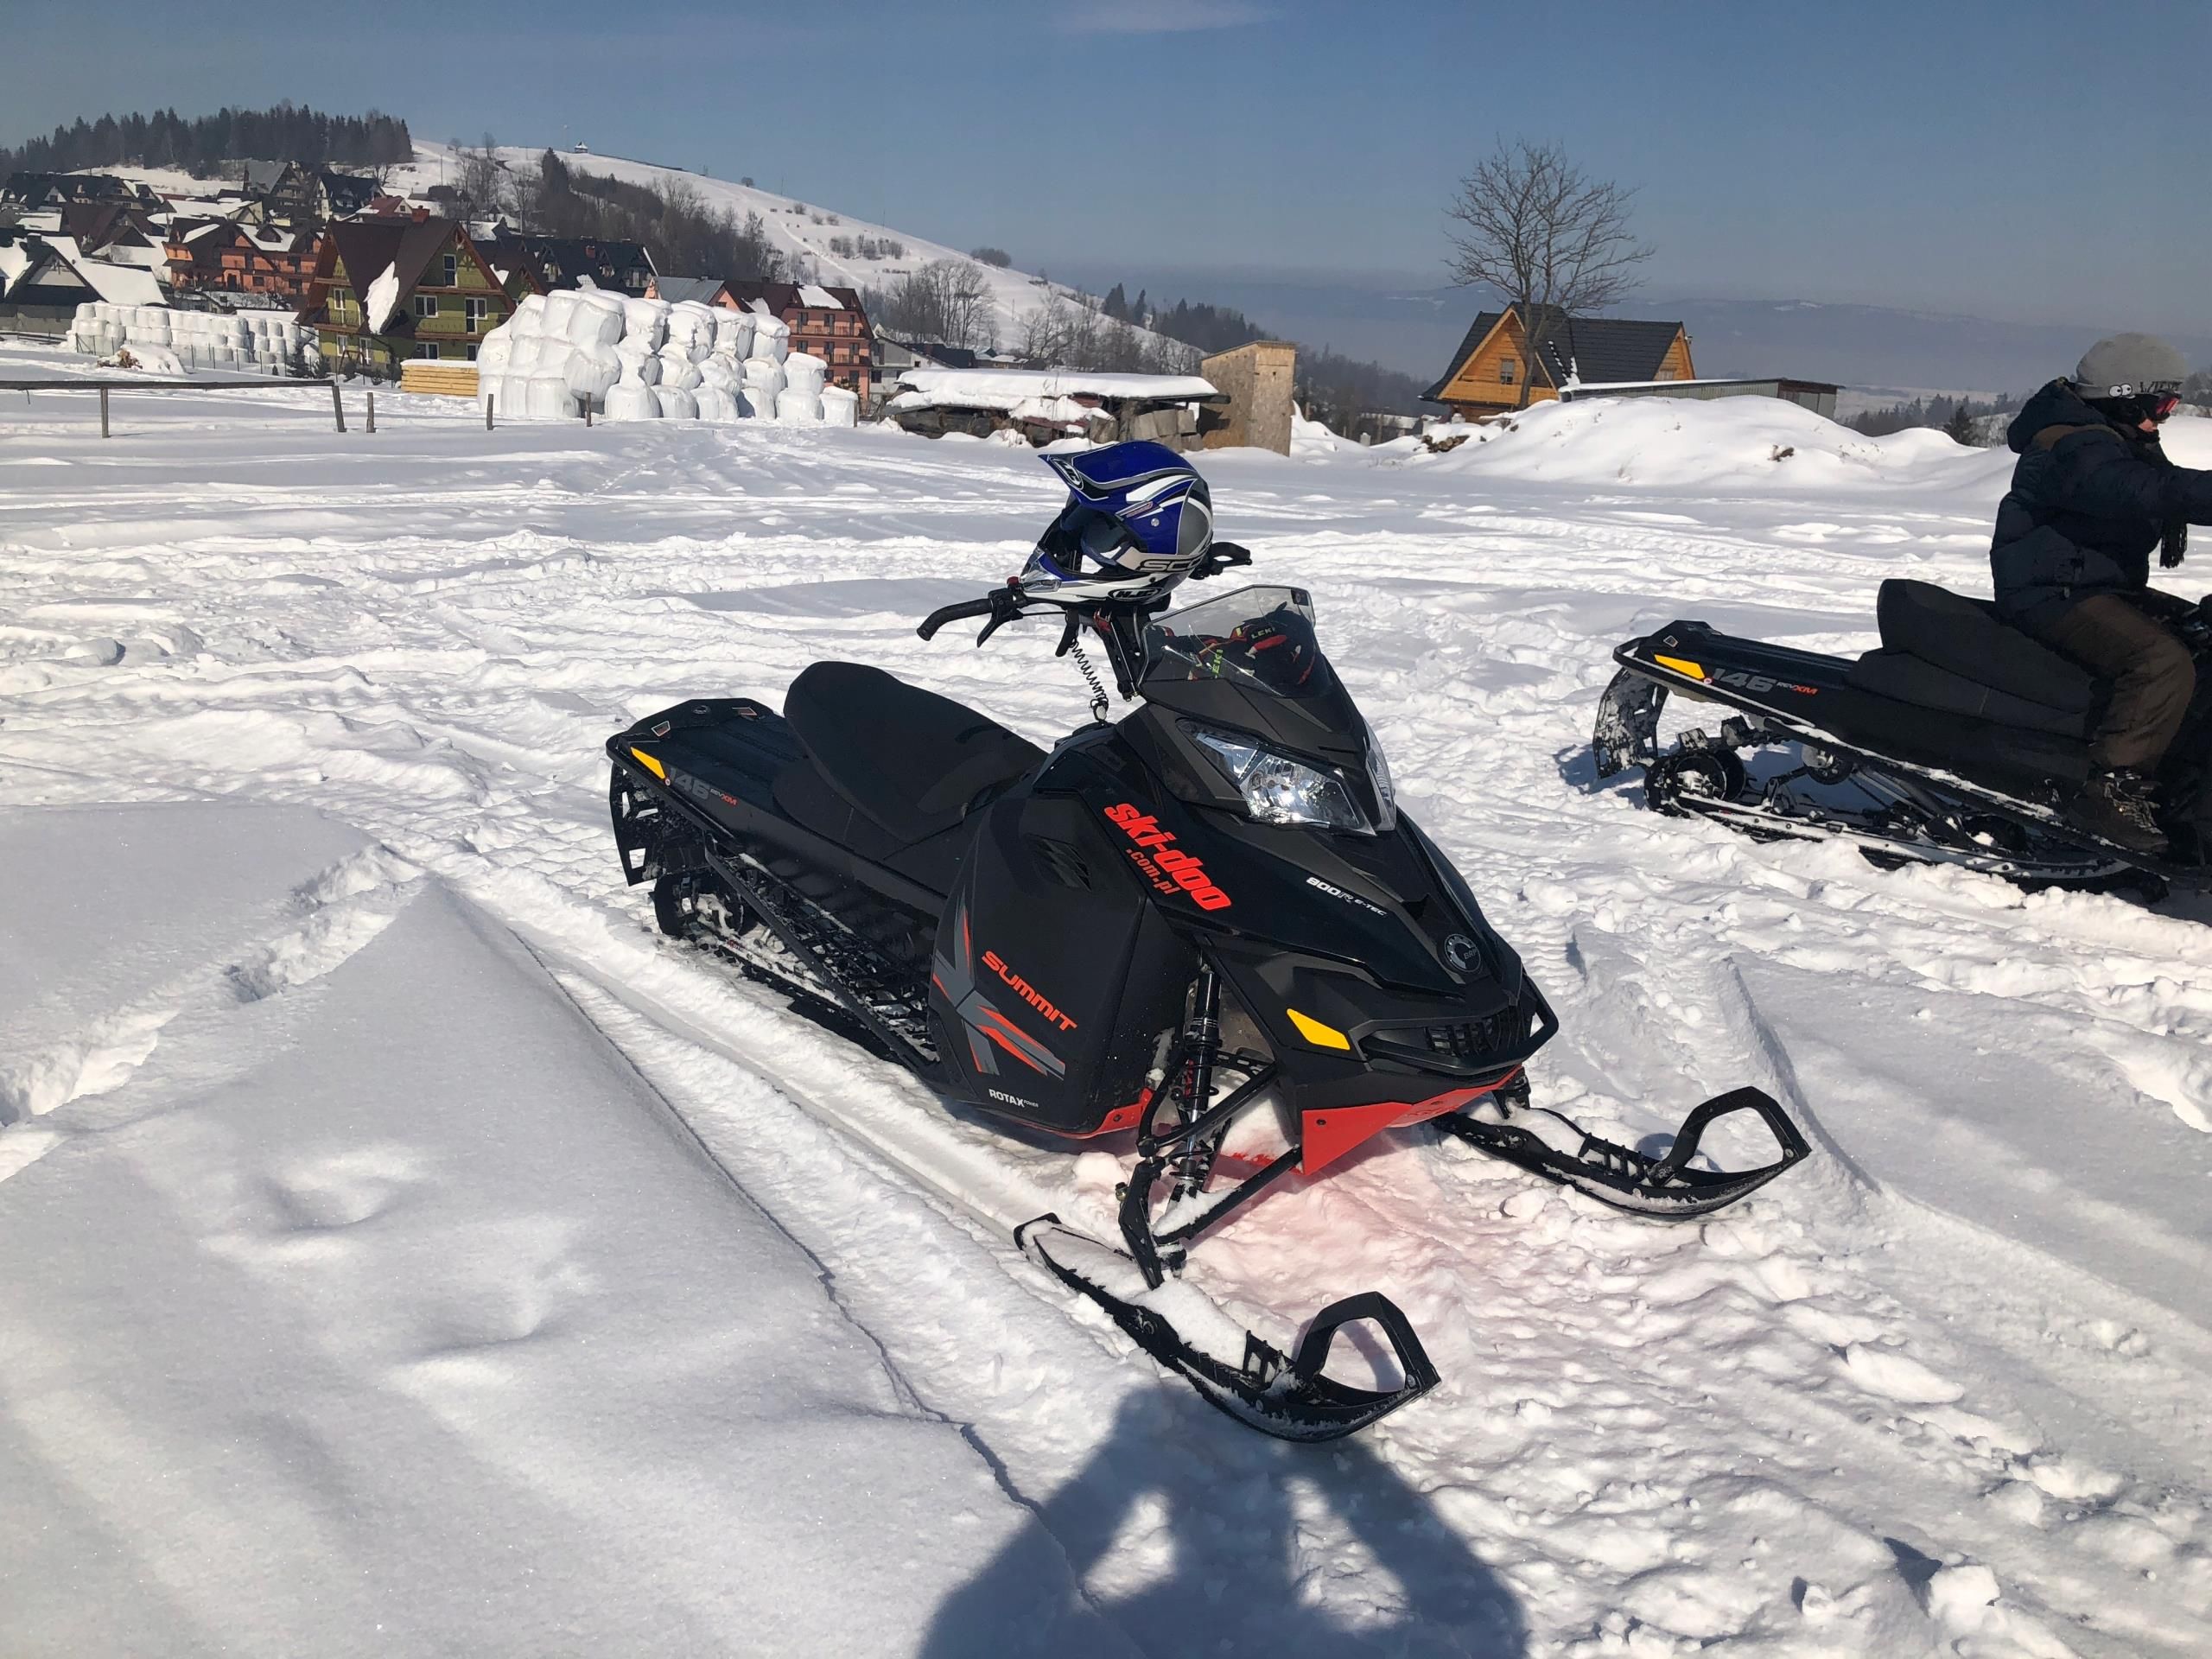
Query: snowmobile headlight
x=1279, y=790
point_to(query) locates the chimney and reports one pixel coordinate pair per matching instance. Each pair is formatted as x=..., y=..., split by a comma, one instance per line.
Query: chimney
x=422, y=215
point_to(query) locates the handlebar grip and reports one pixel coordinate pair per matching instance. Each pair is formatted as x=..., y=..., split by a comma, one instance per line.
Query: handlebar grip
x=945, y=614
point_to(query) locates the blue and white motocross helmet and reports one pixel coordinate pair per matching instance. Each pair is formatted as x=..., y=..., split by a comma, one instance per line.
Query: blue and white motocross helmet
x=1136, y=509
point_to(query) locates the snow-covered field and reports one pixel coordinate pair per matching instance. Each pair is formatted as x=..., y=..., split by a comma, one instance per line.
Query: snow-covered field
x=406, y=1251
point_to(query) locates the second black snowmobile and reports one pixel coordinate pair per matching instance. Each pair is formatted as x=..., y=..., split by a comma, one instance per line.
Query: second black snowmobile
x=1959, y=741
x=1204, y=930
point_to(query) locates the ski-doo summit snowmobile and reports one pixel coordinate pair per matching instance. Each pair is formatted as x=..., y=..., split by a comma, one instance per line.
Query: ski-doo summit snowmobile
x=1957, y=742
x=1205, y=922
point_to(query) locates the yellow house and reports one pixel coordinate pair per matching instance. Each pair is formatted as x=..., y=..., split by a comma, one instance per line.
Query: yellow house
x=1496, y=358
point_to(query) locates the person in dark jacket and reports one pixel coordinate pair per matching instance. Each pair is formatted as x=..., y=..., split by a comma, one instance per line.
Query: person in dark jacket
x=2092, y=496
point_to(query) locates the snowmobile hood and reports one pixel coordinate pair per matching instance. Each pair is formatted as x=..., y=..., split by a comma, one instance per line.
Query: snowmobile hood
x=2055, y=405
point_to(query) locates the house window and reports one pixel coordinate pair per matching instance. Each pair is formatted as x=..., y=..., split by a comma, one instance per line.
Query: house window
x=1664, y=374
x=422, y=349
x=426, y=305
x=472, y=351
x=453, y=271
x=1507, y=368
x=476, y=309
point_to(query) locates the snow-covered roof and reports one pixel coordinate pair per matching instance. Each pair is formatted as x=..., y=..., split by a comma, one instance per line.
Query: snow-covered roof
x=15, y=260
x=121, y=284
x=818, y=298
x=1007, y=389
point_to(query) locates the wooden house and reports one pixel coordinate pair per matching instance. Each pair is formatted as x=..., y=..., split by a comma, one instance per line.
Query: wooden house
x=443, y=297
x=566, y=261
x=225, y=255
x=300, y=195
x=1501, y=354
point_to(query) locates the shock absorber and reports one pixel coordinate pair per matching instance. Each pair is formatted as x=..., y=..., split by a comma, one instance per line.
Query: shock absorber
x=1201, y=1040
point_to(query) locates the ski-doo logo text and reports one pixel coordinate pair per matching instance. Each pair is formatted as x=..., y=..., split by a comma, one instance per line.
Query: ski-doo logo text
x=1029, y=993
x=1175, y=867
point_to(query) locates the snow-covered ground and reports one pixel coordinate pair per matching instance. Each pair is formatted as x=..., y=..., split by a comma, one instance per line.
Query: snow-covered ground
x=407, y=1251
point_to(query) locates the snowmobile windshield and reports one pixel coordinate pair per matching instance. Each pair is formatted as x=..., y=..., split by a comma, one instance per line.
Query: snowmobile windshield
x=1257, y=638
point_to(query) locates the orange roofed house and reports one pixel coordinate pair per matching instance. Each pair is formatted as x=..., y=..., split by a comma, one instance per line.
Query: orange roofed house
x=1496, y=358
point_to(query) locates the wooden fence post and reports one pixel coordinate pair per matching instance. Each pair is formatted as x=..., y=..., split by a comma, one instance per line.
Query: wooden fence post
x=372, y=414
x=586, y=401
x=102, y=412
x=337, y=406
x=490, y=398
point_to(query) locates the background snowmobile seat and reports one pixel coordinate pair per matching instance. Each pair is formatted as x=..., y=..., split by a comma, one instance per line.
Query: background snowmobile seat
x=1943, y=650
x=911, y=761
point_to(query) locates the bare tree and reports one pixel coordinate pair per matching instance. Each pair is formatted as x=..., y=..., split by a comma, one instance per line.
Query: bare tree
x=1545, y=235
x=947, y=300
x=481, y=181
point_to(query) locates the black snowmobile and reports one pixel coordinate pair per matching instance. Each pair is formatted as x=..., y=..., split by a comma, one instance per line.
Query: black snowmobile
x=1205, y=928
x=1959, y=741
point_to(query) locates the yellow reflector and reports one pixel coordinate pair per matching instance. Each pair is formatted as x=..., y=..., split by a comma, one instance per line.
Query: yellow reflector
x=1315, y=1033
x=1679, y=666
x=650, y=764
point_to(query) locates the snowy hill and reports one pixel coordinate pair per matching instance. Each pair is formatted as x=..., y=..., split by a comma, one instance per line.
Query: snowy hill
x=801, y=229
x=413, y=1252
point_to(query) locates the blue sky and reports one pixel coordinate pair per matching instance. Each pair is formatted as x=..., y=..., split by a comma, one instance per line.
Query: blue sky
x=2024, y=161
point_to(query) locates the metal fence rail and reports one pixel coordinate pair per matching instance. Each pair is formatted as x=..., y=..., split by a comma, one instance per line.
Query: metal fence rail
x=87, y=383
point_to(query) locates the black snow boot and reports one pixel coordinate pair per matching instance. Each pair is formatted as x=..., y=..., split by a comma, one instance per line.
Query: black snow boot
x=2119, y=805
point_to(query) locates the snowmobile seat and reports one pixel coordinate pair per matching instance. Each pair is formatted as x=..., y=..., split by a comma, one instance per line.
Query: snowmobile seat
x=912, y=762
x=1944, y=652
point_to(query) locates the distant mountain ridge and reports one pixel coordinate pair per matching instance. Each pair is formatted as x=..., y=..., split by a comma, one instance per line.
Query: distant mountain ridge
x=1417, y=329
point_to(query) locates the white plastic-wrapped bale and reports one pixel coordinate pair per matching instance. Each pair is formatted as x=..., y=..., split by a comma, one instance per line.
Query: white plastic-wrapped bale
x=644, y=322
x=547, y=398
x=598, y=320
x=530, y=316
x=771, y=338
x=721, y=373
x=560, y=310
x=716, y=404
x=495, y=352
x=840, y=406
x=632, y=400
x=798, y=406
x=678, y=373
x=592, y=372
x=638, y=364
x=761, y=371
x=676, y=403
x=734, y=334
x=805, y=371
x=692, y=324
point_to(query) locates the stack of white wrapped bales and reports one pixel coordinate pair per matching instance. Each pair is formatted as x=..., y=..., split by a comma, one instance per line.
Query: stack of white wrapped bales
x=247, y=342
x=646, y=360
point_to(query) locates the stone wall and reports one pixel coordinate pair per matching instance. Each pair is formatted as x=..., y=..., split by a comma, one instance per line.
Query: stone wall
x=1260, y=380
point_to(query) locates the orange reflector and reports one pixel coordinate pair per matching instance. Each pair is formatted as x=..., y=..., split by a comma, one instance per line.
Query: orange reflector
x=1696, y=671
x=1315, y=1033
x=650, y=764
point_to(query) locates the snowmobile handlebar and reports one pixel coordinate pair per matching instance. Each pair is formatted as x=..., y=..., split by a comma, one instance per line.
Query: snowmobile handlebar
x=1001, y=605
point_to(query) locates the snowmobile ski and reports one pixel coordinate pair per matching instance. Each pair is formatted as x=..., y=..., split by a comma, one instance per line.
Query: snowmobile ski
x=1560, y=1150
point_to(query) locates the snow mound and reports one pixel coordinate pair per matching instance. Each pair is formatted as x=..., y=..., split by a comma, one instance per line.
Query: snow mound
x=1761, y=443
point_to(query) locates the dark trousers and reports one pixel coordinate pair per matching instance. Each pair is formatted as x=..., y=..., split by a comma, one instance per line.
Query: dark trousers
x=2152, y=677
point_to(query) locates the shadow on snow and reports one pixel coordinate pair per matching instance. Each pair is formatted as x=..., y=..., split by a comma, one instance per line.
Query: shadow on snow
x=1232, y=1544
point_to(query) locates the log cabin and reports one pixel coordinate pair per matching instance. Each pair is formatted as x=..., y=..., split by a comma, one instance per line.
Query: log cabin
x=1496, y=358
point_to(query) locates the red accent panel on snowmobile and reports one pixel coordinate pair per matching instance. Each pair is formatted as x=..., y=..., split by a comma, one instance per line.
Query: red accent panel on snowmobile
x=1328, y=1134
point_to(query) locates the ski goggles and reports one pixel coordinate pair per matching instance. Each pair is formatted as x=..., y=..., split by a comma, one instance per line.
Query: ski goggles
x=2157, y=405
